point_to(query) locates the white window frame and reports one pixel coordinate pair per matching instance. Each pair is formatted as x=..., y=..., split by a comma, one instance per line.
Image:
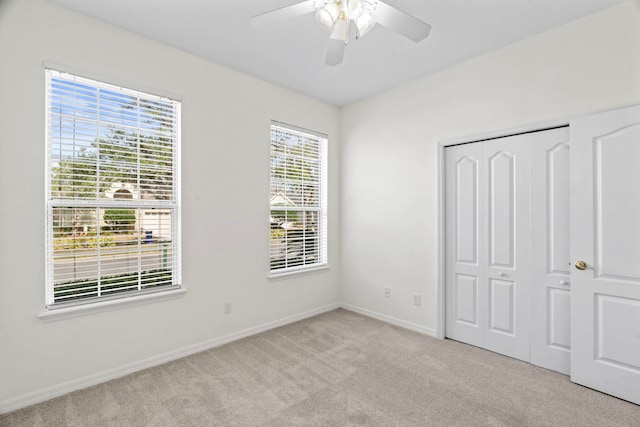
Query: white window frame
x=321, y=210
x=174, y=204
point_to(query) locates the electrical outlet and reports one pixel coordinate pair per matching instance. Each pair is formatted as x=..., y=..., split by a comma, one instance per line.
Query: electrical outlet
x=417, y=299
x=387, y=292
x=227, y=307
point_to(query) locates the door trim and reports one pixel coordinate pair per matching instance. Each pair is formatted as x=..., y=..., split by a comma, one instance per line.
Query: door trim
x=441, y=254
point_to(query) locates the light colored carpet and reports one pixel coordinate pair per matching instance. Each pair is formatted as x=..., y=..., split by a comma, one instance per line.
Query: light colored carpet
x=336, y=369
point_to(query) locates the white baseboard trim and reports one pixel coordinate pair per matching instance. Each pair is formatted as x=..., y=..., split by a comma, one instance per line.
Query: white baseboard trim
x=392, y=320
x=42, y=395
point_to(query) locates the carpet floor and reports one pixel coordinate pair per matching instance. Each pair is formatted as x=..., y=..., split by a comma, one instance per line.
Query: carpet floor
x=336, y=369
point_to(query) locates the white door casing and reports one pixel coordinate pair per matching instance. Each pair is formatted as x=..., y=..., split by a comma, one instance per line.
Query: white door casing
x=605, y=233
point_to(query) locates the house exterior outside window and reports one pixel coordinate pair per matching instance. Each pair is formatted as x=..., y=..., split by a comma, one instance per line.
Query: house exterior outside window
x=298, y=199
x=112, y=191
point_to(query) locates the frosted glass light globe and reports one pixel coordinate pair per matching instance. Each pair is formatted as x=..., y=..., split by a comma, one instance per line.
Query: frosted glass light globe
x=326, y=17
x=364, y=24
x=340, y=30
x=353, y=8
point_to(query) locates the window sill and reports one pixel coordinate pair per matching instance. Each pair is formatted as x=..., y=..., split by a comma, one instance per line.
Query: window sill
x=295, y=273
x=114, y=304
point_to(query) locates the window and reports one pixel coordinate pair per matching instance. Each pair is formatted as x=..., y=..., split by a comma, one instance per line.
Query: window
x=112, y=192
x=298, y=205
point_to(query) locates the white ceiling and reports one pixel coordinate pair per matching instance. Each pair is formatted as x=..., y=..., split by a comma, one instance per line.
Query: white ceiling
x=292, y=53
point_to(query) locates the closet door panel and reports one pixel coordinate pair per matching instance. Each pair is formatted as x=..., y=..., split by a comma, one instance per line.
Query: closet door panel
x=466, y=210
x=502, y=306
x=502, y=209
x=464, y=273
x=557, y=326
x=507, y=246
x=550, y=299
x=466, y=299
x=556, y=199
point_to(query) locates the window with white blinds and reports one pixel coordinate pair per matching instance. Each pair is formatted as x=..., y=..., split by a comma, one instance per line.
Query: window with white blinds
x=112, y=192
x=298, y=203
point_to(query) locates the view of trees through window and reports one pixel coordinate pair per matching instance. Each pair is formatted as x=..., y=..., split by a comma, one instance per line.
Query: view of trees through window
x=112, y=189
x=297, y=203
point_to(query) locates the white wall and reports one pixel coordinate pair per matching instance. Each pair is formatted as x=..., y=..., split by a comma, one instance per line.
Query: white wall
x=225, y=181
x=389, y=146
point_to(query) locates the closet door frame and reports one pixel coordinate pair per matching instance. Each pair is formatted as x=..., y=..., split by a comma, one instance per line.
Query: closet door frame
x=441, y=318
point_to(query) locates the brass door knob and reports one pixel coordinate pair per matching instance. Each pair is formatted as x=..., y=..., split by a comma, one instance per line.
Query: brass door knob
x=581, y=265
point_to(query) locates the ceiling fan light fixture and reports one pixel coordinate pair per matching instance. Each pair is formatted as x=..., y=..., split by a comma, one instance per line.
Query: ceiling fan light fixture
x=353, y=9
x=341, y=30
x=335, y=16
x=364, y=24
x=327, y=16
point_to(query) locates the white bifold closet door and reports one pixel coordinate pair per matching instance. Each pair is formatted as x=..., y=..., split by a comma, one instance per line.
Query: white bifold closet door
x=507, y=247
x=550, y=243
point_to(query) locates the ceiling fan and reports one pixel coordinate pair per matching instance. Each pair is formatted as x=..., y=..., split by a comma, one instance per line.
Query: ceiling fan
x=336, y=16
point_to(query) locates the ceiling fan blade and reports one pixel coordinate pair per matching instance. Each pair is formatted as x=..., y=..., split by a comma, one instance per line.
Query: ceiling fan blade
x=400, y=22
x=335, y=52
x=300, y=8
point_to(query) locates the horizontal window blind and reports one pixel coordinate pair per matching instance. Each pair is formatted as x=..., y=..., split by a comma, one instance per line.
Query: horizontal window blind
x=112, y=191
x=298, y=199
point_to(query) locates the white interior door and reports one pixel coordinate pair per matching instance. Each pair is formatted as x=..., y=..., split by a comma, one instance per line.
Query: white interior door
x=550, y=294
x=488, y=247
x=605, y=234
